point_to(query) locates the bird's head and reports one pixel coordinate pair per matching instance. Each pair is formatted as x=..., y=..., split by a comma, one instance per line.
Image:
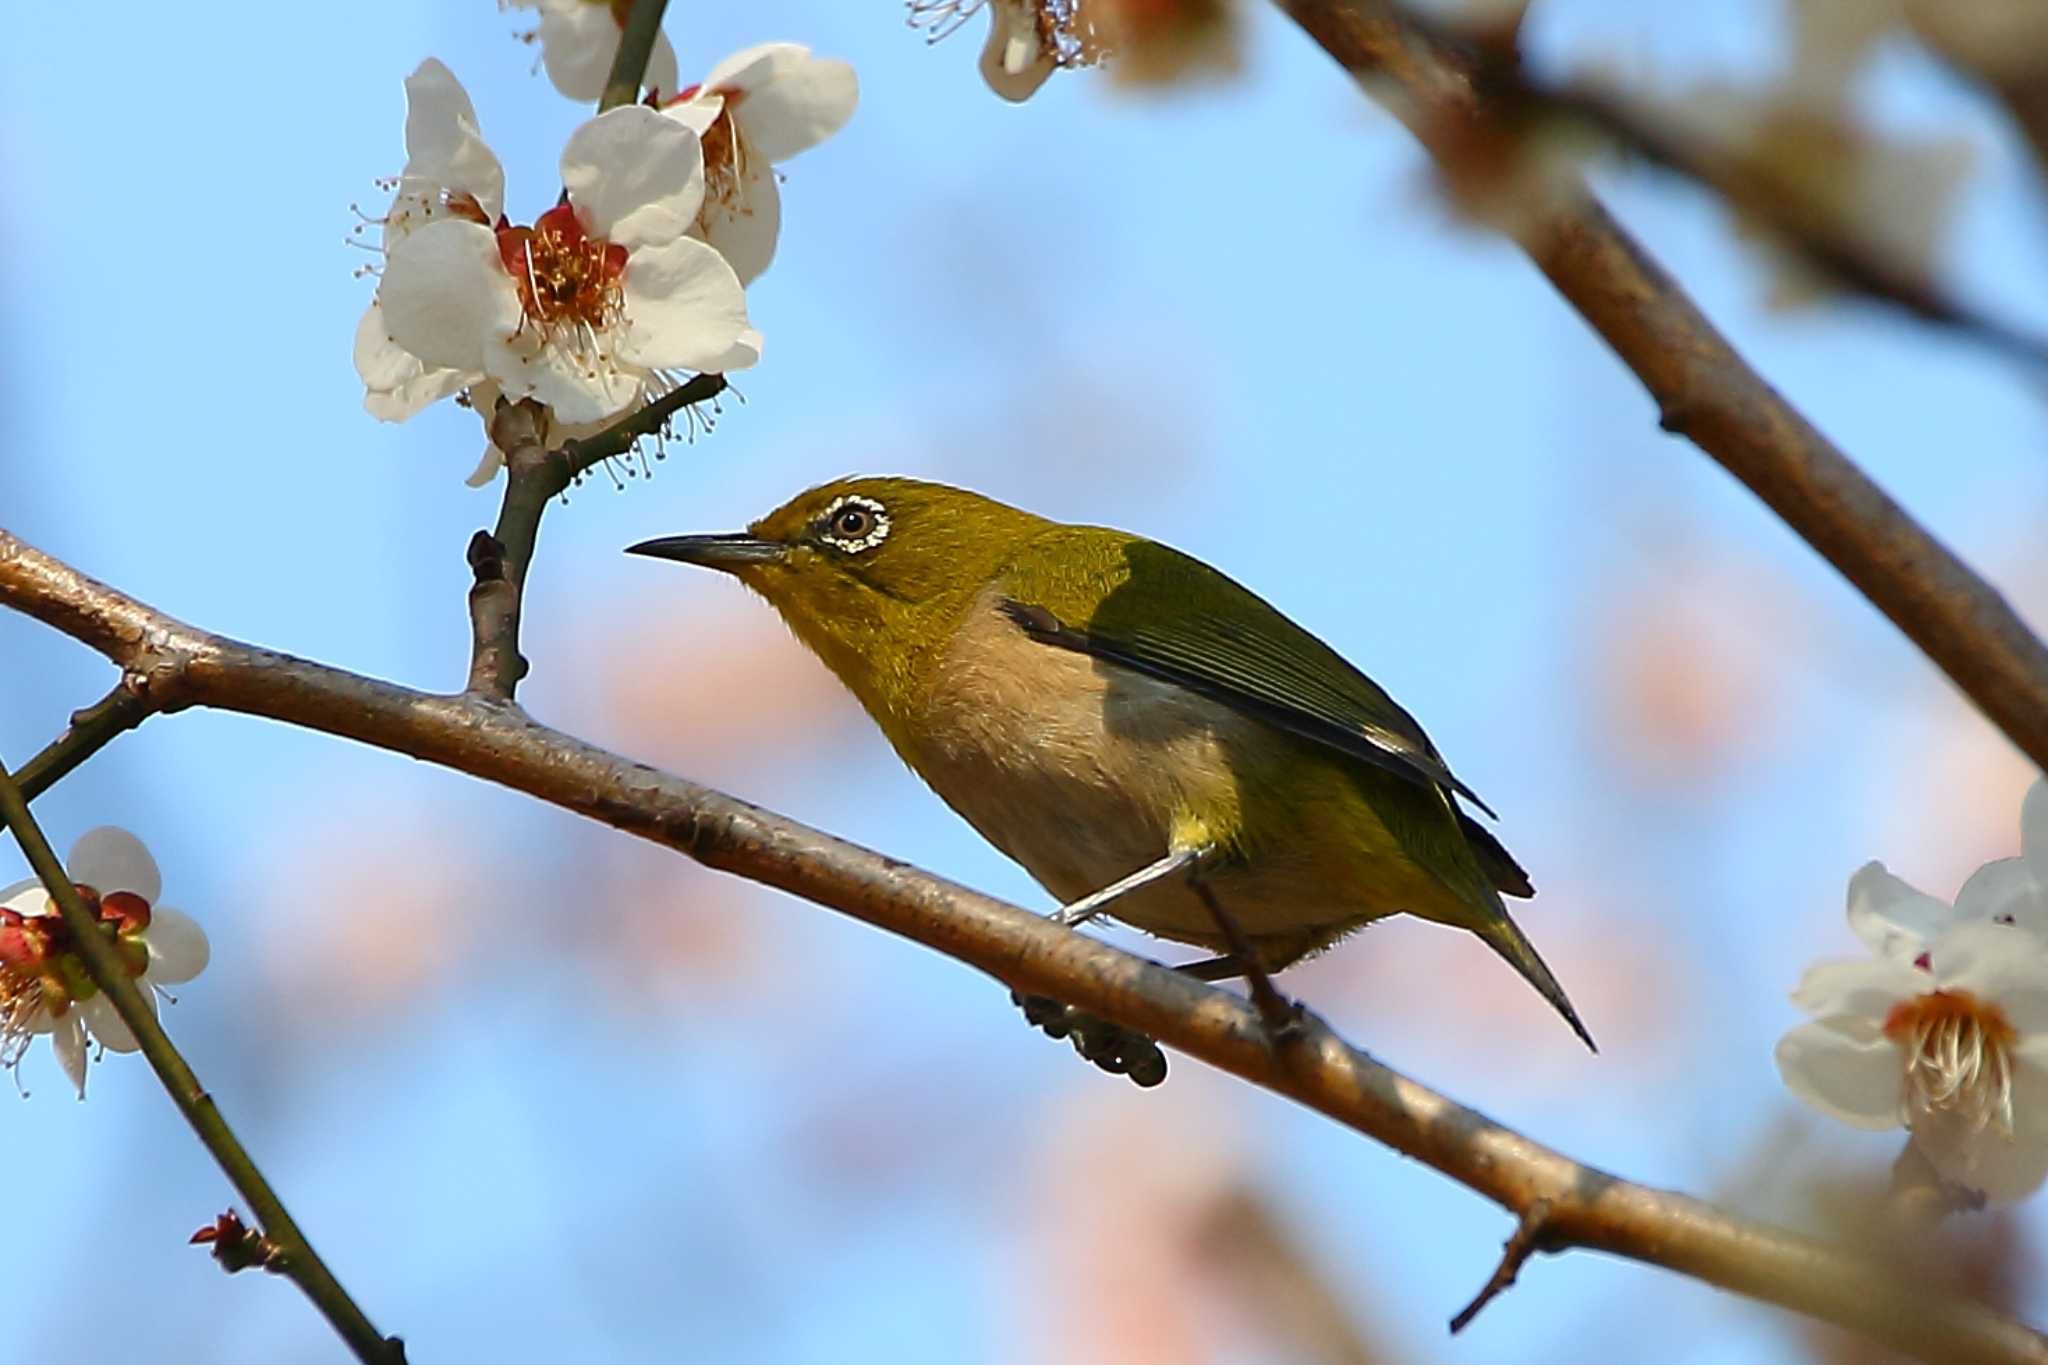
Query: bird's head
x=872, y=574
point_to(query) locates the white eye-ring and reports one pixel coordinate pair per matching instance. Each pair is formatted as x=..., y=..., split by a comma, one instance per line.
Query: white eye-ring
x=853, y=523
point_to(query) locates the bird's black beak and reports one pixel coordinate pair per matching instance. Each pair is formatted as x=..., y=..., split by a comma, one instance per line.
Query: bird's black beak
x=730, y=551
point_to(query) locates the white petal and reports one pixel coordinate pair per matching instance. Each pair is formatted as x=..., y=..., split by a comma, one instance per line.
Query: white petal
x=1864, y=990
x=1860, y=1083
x=696, y=113
x=111, y=859
x=487, y=467
x=68, y=1042
x=635, y=176
x=2001, y=965
x=743, y=223
x=2004, y=890
x=443, y=141
x=178, y=950
x=107, y=1026
x=577, y=45
x=743, y=354
x=2030, y=1088
x=807, y=101
x=753, y=67
x=1890, y=916
x=445, y=294
x=397, y=383
x=1983, y=1159
x=1981, y=956
x=684, y=307
x=576, y=386
x=2034, y=829
x=25, y=897
x=662, y=77
x=1014, y=62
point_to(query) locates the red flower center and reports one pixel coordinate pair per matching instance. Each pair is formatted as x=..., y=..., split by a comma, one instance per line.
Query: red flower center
x=566, y=278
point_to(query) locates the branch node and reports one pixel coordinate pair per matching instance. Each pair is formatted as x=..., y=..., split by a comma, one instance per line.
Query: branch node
x=239, y=1247
x=1531, y=1235
x=486, y=555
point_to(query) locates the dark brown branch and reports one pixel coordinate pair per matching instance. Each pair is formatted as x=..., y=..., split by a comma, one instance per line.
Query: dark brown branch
x=498, y=561
x=636, y=45
x=1807, y=228
x=91, y=730
x=1704, y=389
x=1586, y=1207
x=1530, y=1236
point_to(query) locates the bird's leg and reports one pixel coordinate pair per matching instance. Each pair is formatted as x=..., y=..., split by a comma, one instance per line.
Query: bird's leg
x=1094, y=903
x=1281, y=1016
x=1117, y=1050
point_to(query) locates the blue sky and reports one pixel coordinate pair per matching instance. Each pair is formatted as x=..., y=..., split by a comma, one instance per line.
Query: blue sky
x=1237, y=320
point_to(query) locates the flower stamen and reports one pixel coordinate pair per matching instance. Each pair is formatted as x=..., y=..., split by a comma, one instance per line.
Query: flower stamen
x=567, y=280
x=1958, y=1056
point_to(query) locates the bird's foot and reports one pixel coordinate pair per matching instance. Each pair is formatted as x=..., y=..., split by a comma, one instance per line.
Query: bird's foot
x=1114, y=1048
x=1285, y=1020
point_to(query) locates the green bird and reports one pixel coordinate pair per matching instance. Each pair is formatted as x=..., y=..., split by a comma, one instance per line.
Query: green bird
x=1145, y=736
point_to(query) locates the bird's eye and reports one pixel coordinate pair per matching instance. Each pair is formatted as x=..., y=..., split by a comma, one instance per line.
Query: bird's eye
x=854, y=524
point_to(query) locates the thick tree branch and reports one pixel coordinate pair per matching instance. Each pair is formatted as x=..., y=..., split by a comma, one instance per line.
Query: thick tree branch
x=1704, y=389
x=91, y=729
x=1583, y=1207
x=109, y=972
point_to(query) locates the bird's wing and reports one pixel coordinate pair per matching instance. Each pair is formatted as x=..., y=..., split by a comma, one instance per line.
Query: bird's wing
x=1251, y=659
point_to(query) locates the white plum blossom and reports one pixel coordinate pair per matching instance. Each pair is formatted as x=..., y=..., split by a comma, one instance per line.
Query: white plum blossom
x=1945, y=1031
x=1022, y=47
x=579, y=39
x=595, y=305
x=757, y=108
x=449, y=169
x=44, y=988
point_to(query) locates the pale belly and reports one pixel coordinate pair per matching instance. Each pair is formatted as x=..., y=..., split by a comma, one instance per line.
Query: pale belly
x=1083, y=773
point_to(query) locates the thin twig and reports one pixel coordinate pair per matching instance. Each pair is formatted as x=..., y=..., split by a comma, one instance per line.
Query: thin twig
x=636, y=45
x=1529, y=1237
x=1704, y=389
x=1804, y=226
x=1587, y=1207
x=109, y=972
x=618, y=438
x=91, y=730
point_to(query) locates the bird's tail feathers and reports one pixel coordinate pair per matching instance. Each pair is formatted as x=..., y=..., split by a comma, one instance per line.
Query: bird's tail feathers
x=1504, y=937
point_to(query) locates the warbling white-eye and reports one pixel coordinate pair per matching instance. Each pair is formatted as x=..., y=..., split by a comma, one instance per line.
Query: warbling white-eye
x=1146, y=737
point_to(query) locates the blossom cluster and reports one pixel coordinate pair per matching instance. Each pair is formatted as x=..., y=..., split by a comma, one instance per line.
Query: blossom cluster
x=1944, y=1031
x=636, y=273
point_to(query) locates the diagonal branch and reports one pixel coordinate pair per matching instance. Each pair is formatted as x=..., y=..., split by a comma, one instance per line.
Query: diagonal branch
x=1582, y=1206
x=110, y=973
x=1703, y=388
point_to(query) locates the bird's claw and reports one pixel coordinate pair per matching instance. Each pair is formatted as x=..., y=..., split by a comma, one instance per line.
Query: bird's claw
x=1114, y=1048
